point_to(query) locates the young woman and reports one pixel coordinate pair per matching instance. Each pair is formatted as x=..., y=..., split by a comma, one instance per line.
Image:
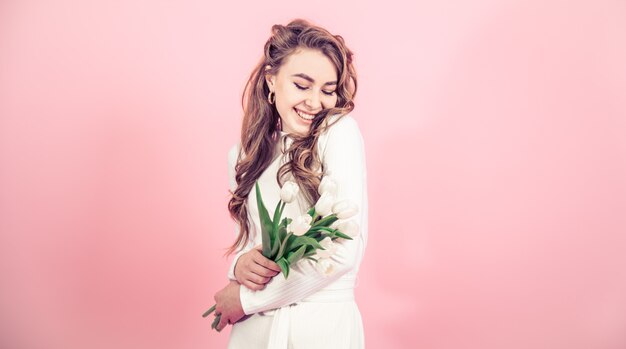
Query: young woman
x=297, y=126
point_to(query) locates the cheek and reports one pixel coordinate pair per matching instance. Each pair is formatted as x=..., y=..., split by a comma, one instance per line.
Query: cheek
x=330, y=102
x=288, y=96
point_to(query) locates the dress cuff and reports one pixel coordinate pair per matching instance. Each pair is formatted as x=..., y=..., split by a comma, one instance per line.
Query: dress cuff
x=246, y=300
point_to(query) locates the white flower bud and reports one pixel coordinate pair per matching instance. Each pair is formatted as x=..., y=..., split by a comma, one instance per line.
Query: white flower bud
x=289, y=191
x=345, y=209
x=350, y=228
x=324, y=205
x=300, y=225
x=328, y=185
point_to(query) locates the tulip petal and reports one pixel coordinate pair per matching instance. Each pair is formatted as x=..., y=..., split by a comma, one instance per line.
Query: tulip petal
x=295, y=256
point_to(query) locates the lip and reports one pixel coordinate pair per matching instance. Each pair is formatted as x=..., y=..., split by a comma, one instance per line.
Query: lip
x=306, y=121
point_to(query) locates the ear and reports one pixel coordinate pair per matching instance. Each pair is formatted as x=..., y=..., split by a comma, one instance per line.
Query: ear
x=270, y=79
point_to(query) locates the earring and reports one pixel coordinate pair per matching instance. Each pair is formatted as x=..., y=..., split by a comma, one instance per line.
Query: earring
x=271, y=98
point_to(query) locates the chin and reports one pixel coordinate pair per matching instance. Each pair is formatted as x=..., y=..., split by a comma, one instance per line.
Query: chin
x=304, y=132
x=298, y=128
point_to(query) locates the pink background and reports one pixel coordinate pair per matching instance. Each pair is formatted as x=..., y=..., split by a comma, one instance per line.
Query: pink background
x=496, y=141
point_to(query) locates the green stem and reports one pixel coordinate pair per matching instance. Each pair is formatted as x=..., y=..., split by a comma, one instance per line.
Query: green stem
x=282, y=246
x=212, y=309
x=216, y=322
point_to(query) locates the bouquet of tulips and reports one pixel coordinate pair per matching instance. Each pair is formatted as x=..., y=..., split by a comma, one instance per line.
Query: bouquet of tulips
x=310, y=236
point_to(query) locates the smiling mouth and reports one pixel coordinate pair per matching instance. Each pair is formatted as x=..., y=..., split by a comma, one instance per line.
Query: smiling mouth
x=303, y=115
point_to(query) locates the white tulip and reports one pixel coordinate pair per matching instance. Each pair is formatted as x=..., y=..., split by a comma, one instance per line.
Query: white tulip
x=289, y=191
x=328, y=185
x=325, y=267
x=345, y=209
x=324, y=205
x=300, y=225
x=329, y=248
x=350, y=228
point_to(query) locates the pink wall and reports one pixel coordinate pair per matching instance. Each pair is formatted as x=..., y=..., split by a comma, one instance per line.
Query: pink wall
x=496, y=141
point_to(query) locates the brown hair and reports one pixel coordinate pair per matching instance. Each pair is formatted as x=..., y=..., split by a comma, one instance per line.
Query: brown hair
x=260, y=129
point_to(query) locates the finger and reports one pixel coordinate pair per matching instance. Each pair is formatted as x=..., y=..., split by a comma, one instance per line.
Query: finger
x=253, y=286
x=258, y=279
x=263, y=271
x=267, y=263
x=255, y=258
x=223, y=322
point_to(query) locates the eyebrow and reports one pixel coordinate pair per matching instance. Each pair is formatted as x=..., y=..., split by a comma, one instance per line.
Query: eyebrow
x=310, y=79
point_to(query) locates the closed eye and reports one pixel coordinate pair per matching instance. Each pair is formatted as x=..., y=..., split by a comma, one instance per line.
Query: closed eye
x=300, y=87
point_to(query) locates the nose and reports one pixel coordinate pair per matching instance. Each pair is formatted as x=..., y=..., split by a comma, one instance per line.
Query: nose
x=313, y=102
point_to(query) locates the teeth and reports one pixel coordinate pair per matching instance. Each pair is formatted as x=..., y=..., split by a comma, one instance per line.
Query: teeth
x=304, y=115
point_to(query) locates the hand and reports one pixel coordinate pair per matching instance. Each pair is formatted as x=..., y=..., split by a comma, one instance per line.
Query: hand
x=253, y=270
x=228, y=305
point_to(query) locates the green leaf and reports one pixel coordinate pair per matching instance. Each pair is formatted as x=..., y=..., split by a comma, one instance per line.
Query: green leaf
x=284, y=246
x=328, y=229
x=282, y=230
x=266, y=223
x=285, y=222
x=208, y=312
x=342, y=235
x=284, y=266
x=314, y=229
x=314, y=235
x=275, y=224
x=306, y=241
x=277, y=214
x=275, y=248
x=311, y=251
x=282, y=227
x=326, y=221
x=311, y=211
x=295, y=256
x=280, y=233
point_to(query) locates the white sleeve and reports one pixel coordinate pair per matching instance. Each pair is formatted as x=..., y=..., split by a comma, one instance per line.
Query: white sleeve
x=232, y=161
x=343, y=157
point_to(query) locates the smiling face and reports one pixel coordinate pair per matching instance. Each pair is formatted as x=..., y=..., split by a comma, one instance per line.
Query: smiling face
x=304, y=86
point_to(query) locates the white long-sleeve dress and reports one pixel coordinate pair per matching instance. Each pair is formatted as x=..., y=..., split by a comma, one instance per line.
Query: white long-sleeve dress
x=308, y=310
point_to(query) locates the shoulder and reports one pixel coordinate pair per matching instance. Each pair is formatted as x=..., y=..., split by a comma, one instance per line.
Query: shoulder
x=343, y=123
x=342, y=127
x=343, y=131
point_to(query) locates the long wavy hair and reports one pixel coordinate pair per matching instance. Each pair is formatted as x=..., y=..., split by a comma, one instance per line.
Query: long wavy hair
x=261, y=127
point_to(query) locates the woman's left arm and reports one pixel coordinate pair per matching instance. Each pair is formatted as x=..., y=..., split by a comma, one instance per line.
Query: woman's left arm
x=343, y=157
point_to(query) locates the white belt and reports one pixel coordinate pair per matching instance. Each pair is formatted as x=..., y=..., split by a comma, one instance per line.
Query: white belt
x=341, y=290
